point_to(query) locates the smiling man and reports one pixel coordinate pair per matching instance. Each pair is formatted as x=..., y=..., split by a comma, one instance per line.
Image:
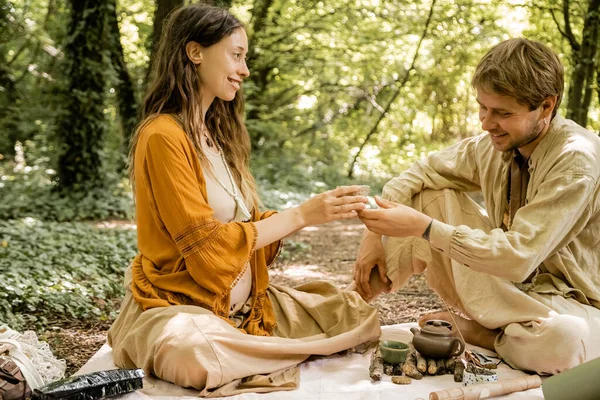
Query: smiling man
x=523, y=273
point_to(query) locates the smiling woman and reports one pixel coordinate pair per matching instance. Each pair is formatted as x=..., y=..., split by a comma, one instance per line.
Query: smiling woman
x=198, y=301
x=221, y=67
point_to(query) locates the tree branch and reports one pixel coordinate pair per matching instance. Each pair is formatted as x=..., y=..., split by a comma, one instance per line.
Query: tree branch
x=395, y=95
x=259, y=14
x=18, y=53
x=320, y=123
x=568, y=31
x=312, y=26
x=127, y=104
x=563, y=33
x=34, y=55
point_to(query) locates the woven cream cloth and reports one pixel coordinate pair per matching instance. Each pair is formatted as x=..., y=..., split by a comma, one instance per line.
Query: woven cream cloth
x=34, y=358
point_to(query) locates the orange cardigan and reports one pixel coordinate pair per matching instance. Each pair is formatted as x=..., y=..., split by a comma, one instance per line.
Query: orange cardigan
x=187, y=257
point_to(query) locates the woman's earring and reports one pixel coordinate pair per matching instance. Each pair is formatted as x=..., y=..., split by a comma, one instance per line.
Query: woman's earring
x=545, y=121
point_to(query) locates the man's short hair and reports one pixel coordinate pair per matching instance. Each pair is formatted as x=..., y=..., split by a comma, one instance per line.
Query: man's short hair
x=524, y=69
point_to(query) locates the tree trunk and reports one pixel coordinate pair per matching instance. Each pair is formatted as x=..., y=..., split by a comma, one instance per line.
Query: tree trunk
x=81, y=130
x=127, y=105
x=396, y=93
x=8, y=93
x=582, y=77
x=260, y=11
x=591, y=64
x=258, y=75
x=598, y=85
x=433, y=122
x=163, y=9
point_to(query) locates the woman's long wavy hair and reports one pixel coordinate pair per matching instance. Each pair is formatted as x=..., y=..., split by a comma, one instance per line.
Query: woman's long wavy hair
x=175, y=89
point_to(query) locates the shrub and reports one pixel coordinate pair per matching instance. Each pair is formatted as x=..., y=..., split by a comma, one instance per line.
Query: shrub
x=27, y=190
x=61, y=270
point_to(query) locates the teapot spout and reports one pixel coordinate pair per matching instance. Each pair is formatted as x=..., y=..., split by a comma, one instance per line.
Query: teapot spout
x=415, y=330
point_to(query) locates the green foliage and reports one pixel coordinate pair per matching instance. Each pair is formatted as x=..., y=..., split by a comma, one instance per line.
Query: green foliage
x=321, y=73
x=26, y=190
x=135, y=23
x=280, y=197
x=31, y=72
x=548, y=24
x=57, y=270
x=321, y=78
x=293, y=250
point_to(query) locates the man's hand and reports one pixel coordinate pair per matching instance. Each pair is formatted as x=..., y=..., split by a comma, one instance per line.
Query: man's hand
x=394, y=219
x=370, y=256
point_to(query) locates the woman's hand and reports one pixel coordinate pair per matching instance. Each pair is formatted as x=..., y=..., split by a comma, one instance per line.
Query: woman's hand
x=394, y=219
x=339, y=203
x=325, y=207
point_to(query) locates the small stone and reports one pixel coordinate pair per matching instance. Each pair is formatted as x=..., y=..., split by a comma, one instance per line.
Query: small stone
x=401, y=380
x=388, y=369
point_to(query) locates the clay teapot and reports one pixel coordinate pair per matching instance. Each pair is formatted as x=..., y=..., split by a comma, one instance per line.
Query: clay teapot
x=435, y=340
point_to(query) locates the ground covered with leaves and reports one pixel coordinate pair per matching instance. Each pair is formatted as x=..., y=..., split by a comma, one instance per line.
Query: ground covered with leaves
x=324, y=252
x=56, y=270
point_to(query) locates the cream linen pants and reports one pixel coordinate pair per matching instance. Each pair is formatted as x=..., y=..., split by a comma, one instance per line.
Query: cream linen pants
x=193, y=348
x=543, y=333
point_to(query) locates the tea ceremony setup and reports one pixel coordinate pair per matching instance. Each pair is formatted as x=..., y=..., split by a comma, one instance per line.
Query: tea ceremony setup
x=354, y=376
x=299, y=199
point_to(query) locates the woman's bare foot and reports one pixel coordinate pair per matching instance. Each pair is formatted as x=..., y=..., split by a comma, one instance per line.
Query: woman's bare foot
x=472, y=332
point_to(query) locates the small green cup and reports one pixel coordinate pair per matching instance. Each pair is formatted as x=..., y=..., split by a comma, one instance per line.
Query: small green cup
x=393, y=352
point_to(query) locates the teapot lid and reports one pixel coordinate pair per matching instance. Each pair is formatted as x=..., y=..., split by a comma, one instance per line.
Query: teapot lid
x=437, y=327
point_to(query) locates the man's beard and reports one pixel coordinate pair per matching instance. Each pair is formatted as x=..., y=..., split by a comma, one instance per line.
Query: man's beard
x=535, y=132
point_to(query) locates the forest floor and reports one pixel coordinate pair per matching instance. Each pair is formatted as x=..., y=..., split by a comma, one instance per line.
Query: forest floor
x=323, y=252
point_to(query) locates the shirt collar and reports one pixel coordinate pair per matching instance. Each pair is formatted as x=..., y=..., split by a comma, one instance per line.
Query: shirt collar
x=543, y=146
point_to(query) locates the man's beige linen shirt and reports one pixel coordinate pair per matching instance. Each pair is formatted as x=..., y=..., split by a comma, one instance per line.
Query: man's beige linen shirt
x=555, y=235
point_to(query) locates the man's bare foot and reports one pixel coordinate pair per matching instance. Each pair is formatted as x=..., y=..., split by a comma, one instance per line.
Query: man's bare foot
x=472, y=332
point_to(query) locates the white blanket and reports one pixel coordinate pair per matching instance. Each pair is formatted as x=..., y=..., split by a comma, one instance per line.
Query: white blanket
x=340, y=377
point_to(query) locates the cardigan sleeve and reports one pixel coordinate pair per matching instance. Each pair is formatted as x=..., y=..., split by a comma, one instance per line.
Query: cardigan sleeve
x=215, y=253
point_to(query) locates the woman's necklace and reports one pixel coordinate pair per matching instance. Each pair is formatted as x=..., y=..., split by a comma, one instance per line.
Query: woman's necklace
x=208, y=146
x=203, y=130
x=242, y=212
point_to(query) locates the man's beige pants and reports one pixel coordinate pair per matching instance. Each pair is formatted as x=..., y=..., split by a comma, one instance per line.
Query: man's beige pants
x=191, y=347
x=544, y=333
